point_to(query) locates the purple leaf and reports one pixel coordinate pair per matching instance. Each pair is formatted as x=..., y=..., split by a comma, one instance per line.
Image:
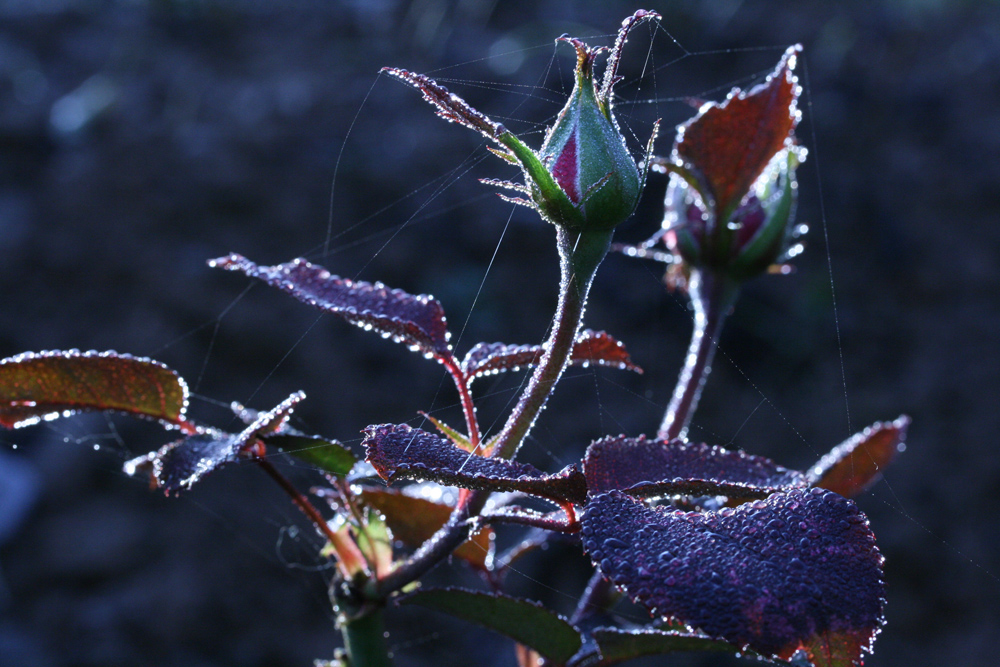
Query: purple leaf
x=44, y=385
x=417, y=321
x=401, y=451
x=857, y=463
x=798, y=570
x=591, y=347
x=645, y=468
x=178, y=465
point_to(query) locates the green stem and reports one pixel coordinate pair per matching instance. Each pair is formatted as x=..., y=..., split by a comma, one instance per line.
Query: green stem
x=580, y=253
x=597, y=596
x=365, y=640
x=713, y=297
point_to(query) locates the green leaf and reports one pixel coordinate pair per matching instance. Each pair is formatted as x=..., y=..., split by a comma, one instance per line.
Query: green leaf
x=327, y=455
x=46, y=385
x=619, y=645
x=460, y=439
x=526, y=622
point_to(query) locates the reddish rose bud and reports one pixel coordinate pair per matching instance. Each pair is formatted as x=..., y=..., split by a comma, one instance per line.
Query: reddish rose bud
x=730, y=204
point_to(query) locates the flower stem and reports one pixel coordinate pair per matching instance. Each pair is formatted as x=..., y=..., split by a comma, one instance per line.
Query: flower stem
x=712, y=296
x=580, y=253
x=597, y=596
x=364, y=638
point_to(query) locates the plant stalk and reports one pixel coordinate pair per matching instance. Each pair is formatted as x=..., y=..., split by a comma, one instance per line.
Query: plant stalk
x=365, y=640
x=712, y=296
x=448, y=538
x=597, y=596
x=580, y=253
x=468, y=407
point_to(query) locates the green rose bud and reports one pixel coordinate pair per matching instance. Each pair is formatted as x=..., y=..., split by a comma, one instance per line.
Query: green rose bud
x=583, y=178
x=586, y=154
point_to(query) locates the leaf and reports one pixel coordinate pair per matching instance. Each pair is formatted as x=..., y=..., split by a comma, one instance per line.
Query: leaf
x=327, y=455
x=416, y=321
x=45, y=385
x=731, y=143
x=591, y=347
x=411, y=453
x=617, y=645
x=526, y=622
x=460, y=439
x=645, y=468
x=413, y=520
x=449, y=106
x=178, y=465
x=797, y=570
x=857, y=463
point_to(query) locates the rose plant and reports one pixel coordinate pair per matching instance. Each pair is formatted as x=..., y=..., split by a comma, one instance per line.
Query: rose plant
x=727, y=550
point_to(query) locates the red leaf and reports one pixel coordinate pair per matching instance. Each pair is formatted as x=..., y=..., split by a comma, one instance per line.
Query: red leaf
x=857, y=463
x=645, y=468
x=798, y=570
x=591, y=347
x=414, y=520
x=731, y=143
x=46, y=385
x=178, y=465
x=401, y=451
x=417, y=321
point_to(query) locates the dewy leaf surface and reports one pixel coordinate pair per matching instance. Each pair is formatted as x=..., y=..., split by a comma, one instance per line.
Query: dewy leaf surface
x=645, y=468
x=413, y=520
x=417, y=321
x=731, y=143
x=857, y=463
x=797, y=570
x=178, y=465
x=526, y=622
x=591, y=347
x=398, y=450
x=44, y=385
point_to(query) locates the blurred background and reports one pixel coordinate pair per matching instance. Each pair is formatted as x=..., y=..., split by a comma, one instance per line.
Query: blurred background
x=139, y=138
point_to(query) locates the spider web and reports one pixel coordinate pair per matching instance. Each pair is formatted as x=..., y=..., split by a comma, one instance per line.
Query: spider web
x=488, y=303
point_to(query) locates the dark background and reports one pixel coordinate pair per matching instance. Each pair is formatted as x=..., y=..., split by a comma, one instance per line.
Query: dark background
x=138, y=139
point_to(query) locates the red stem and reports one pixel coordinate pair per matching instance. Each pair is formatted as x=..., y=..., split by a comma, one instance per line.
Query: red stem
x=713, y=297
x=351, y=560
x=468, y=407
